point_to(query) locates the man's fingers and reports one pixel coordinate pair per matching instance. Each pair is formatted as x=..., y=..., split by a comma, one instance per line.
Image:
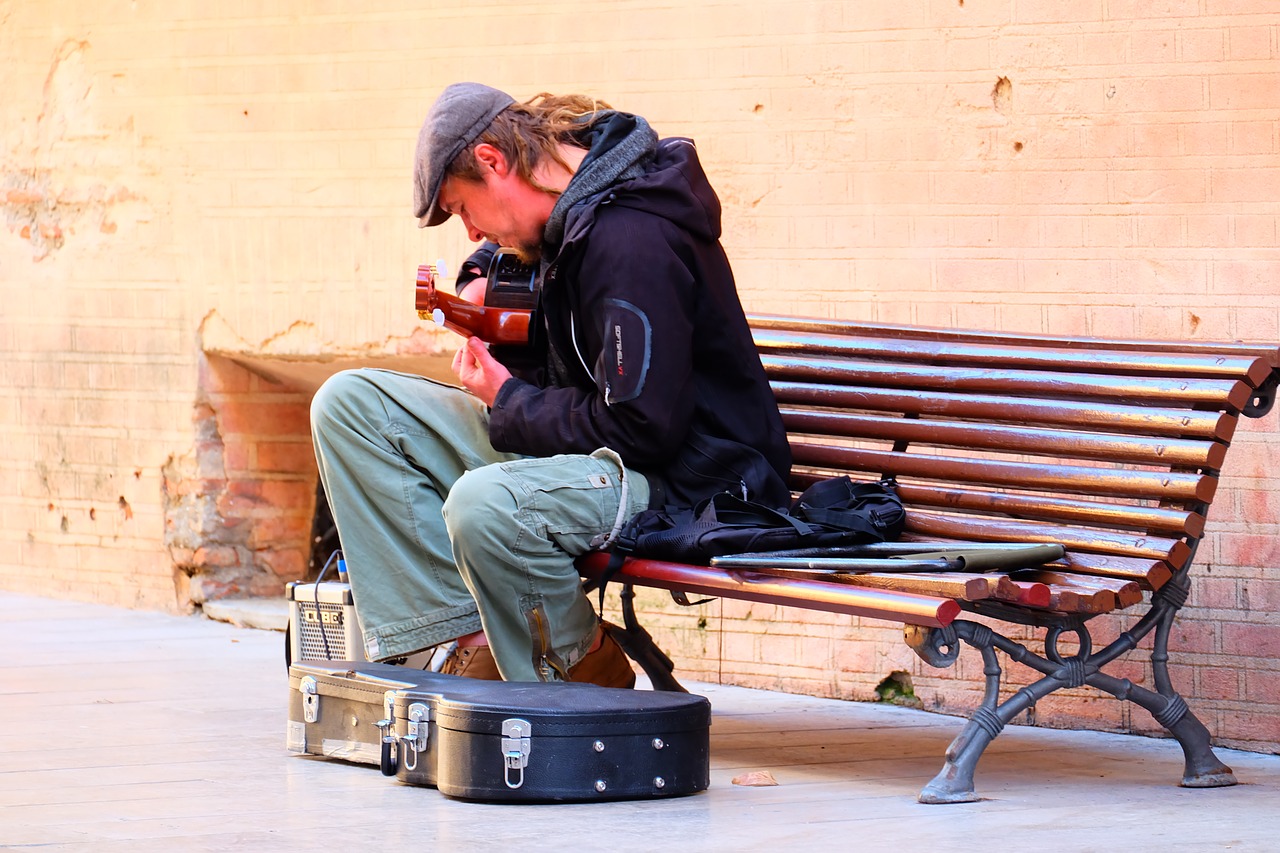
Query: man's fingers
x=478, y=351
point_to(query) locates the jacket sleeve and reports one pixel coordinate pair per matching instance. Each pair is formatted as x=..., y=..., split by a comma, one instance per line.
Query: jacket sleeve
x=632, y=329
x=475, y=266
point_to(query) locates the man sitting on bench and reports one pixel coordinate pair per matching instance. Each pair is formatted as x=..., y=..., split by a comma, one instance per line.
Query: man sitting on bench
x=461, y=512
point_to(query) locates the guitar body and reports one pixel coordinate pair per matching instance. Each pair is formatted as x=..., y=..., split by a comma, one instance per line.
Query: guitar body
x=513, y=284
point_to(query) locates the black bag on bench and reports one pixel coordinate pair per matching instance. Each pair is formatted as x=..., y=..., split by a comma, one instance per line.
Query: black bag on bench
x=830, y=513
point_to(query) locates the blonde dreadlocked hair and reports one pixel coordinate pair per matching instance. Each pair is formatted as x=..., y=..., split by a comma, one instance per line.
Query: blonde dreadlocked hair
x=531, y=132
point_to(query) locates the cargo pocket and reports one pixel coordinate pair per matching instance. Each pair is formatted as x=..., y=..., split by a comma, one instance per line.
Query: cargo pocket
x=570, y=498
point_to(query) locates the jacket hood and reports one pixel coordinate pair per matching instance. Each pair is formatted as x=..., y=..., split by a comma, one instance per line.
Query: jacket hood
x=675, y=187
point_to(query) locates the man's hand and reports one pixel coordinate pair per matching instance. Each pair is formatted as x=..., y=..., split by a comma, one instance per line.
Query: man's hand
x=479, y=372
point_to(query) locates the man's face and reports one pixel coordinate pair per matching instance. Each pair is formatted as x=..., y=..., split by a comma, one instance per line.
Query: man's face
x=501, y=207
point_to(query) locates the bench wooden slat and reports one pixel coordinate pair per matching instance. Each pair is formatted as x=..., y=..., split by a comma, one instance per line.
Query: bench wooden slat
x=1013, y=354
x=924, y=522
x=1153, y=519
x=963, y=586
x=1215, y=393
x=1056, y=591
x=1069, y=598
x=1138, y=420
x=910, y=608
x=1074, y=479
x=1042, y=508
x=1127, y=592
x=1026, y=593
x=1269, y=354
x=1039, y=441
x=1147, y=573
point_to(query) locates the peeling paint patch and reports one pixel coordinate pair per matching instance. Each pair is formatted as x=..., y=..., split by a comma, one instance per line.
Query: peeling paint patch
x=44, y=216
x=31, y=212
x=43, y=206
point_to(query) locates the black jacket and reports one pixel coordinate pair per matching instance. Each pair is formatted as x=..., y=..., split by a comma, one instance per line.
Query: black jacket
x=647, y=350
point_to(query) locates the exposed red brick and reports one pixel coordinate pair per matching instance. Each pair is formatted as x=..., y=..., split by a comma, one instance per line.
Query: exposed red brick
x=285, y=564
x=1215, y=593
x=216, y=557
x=1134, y=669
x=221, y=376
x=286, y=456
x=1250, y=549
x=1219, y=683
x=265, y=419
x=1262, y=687
x=1191, y=636
x=1258, y=639
x=279, y=529
x=238, y=456
x=235, y=510
x=244, y=487
x=1259, y=730
x=1056, y=711
x=289, y=495
x=1260, y=596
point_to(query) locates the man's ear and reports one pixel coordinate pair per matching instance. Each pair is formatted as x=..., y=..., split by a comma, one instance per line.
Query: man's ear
x=491, y=159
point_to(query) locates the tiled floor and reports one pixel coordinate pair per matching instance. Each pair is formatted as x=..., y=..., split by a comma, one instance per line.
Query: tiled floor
x=134, y=731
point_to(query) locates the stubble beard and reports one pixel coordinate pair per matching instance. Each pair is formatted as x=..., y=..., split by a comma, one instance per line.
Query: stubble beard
x=531, y=255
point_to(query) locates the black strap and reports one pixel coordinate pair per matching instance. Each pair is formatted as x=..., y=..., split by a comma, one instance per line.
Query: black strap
x=614, y=565
x=683, y=600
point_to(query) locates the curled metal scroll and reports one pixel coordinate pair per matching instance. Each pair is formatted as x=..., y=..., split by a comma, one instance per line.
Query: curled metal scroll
x=938, y=647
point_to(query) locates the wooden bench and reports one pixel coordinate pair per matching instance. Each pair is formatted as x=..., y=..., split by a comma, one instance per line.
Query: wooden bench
x=1112, y=448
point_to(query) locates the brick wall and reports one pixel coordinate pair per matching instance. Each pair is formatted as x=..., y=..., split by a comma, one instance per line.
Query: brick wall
x=238, y=508
x=180, y=178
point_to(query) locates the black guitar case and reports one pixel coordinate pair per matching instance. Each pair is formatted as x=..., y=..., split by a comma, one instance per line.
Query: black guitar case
x=502, y=741
x=515, y=742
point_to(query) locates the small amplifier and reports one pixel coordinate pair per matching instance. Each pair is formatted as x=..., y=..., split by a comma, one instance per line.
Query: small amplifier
x=323, y=623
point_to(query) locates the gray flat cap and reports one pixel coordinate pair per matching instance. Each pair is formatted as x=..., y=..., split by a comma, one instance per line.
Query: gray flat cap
x=458, y=116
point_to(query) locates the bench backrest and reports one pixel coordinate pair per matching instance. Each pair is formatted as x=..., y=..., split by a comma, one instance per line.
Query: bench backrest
x=1110, y=447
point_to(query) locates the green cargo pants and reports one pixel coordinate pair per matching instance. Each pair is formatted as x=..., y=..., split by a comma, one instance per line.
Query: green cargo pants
x=443, y=535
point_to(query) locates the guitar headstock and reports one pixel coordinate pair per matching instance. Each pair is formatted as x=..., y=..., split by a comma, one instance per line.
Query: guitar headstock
x=425, y=299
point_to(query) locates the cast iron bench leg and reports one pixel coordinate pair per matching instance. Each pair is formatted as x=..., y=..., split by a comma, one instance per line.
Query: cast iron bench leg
x=1202, y=768
x=954, y=783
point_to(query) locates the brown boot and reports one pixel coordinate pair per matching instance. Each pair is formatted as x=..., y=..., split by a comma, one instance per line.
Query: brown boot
x=607, y=666
x=472, y=662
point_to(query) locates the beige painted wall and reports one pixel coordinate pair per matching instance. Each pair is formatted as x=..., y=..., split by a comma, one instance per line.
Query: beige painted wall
x=234, y=177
